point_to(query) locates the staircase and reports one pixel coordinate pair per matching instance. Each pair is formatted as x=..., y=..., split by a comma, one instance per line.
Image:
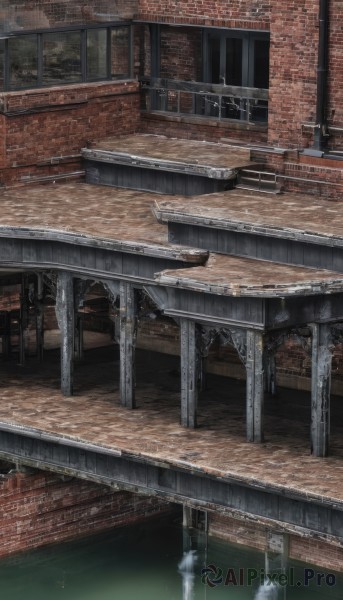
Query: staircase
x=258, y=181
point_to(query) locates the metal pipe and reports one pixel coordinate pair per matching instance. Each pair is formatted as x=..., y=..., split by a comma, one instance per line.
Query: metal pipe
x=321, y=130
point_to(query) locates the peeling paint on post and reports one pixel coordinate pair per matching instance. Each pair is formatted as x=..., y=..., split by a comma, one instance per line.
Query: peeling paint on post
x=255, y=386
x=40, y=317
x=128, y=331
x=321, y=387
x=190, y=366
x=65, y=317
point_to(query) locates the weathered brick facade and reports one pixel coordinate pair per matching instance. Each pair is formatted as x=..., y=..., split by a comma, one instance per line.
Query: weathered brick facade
x=44, y=130
x=41, y=508
x=255, y=535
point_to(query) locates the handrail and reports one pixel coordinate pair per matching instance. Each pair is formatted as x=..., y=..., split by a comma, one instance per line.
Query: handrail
x=210, y=100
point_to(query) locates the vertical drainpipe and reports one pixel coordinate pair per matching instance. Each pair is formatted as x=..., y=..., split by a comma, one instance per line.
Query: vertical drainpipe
x=321, y=133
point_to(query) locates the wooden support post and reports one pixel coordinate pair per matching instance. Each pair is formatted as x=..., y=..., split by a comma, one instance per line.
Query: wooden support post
x=255, y=386
x=79, y=347
x=128, y=329
x=321, y=387
x=6, y=338
x=65, y=317
x=190, y=372
x=269, y=373
x=40, y=317
x=23, y=319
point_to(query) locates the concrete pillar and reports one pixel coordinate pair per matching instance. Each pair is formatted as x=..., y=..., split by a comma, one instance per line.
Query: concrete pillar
x=79, y=347
x=65, y=316
x=40, y=317
x=23, y=320
x=255, y=386
x=321, y=387
x=190, y=368
x=128, y=329
x=269, y=373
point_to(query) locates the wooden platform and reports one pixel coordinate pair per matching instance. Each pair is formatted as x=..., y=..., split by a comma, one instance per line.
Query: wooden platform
x=165, y=165
x=288, y=216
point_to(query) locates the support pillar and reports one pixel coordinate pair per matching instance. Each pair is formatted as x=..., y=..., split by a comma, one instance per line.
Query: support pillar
x=128, y=330
x=23, y=319
x=270, y=373
x=190, y=372
x=79, y=346
x=65, y=317
x=321, y=387
x=255, y=386
x=40, y=317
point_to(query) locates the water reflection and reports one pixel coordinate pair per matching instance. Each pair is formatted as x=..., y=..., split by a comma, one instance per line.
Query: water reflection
x=186, y=569
x=267, y=591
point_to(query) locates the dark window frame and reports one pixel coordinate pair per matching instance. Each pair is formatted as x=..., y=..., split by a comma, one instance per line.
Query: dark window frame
x=7, y=87
x=248, y=38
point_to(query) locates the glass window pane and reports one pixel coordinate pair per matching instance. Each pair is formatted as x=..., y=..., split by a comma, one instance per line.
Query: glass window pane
x=2, y=53
x=234, y=55
x=23, y=63
x=61, y=58
x=97, y=54
x=214, y=59
x=120, y=44
x=261, y=66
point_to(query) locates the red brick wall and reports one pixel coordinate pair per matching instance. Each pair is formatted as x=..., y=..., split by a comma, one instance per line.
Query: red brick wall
x=254, y=535
x=238, y=13
x=293, y=62
x=42, y=125
x=41, y=509
x=181, y=53
x=335, y=107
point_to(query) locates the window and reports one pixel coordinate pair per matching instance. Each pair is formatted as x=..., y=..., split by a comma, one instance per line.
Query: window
x=2, y=61
x=50, y=58
x=240, y=59
x=61, y=58
x=23, y=61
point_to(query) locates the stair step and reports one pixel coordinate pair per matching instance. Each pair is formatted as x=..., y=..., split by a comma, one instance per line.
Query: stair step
x=262, y=181
x=255, y=188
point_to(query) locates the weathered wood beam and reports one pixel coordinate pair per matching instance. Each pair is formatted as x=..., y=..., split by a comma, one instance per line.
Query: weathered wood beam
x=128, y=330
x=190, y=371
x=66, y=317
x=40, y=317
x=321, y=387
x=269, y=373
x=255, y=386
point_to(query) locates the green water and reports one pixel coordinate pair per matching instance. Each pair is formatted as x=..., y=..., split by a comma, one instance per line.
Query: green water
x=140, y=562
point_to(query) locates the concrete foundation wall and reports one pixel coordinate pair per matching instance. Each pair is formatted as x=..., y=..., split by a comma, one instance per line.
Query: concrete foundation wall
x=257, y=536
x=40, y=508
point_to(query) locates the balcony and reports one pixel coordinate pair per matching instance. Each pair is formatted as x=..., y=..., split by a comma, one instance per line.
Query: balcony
x=212, y=101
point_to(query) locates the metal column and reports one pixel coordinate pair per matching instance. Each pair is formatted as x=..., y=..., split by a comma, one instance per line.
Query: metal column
x=128, y=329
x=190, y=372
x=255, y=386
x=65, y=316
x=321, y=386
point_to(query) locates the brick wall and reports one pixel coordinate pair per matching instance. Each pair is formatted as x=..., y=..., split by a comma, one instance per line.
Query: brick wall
x=45, y=129
x=243, y=14
x=254, y=535
x=39, y=508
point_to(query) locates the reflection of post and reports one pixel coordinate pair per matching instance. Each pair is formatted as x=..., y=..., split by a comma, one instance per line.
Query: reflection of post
x=186, y=570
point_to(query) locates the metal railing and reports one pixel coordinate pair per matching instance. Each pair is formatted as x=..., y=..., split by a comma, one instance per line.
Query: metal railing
x=205, y=100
